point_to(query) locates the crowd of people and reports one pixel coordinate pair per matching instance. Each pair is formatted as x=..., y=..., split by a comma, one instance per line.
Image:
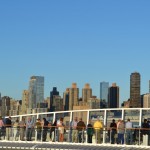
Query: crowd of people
x=119, y=132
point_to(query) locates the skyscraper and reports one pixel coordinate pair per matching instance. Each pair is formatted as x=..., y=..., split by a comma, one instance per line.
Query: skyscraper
x=66, y=99
x=149, y=86
x=86, y=93
x=36, y=91
x=146, y=101
x=25, y=101
x=135, y=90
x=113, y=99
x=73, y=96
x=104, y=92
x=53, y=93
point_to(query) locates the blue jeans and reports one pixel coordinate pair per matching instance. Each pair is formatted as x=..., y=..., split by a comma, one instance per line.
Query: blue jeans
x=120, y=138
x=129, y=137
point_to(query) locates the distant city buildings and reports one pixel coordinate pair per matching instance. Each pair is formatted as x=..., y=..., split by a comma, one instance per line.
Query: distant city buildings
x=33, y=99
x=135, y=90
x=36, y=91
x=113, y=98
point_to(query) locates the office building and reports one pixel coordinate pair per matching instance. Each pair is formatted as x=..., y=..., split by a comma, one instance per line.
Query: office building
x=94, y=103
x=73, y=96
x=66, y=99
x=146, y=101
x=5, y=106
x=86, y=93
x=58, y=103
x=53, y=93
x=135, y=101
x=113, y=96
x=25, y=101
x=104, y=86
x=36, y=91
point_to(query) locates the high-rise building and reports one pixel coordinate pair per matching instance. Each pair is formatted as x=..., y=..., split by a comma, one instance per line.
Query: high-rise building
x=25, y=101
x=94, y=103
x=135, y=101
x=113, y=96
x=73, y=96
x=5, y=106
x=36, y=91
x=53, y=93
x=146, y=101
x=86, y=93
x=66, y=99
x=58, y=103
x=104, y=93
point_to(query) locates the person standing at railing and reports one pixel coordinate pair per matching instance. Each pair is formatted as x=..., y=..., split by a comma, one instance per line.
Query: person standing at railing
x=16, y=129
x=22, y=125
x=45, y=129
x=129, y=130
x=90, y=132
x=38, y=129
x=113, y=131
x=121, y=131
x=1, y=126
x=98, y=128
x=54, y=126
x=74, y=130
x=29, y=129
x=8, y=128
x=81, y=127
x=145, y=132
x=61, y=128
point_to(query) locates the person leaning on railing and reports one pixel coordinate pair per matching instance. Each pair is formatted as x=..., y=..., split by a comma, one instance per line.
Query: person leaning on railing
x=98, y=128
x=8, y=128
x=80, y=127
x=1, y=126
x=129, y=130
x=113, y=131
x=22, y=127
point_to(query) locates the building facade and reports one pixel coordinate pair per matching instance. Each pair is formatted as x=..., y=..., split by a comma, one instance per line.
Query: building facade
x=66, y=99
x=25, y=101
x=86, y=93
x=113, y=96
x=135, y=96
x=73, y=96
x=146, y=101
x=36, y=91
x=53, y=93
x=104, y=86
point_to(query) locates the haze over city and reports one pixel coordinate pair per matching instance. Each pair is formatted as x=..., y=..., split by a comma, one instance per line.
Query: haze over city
x=74, y=41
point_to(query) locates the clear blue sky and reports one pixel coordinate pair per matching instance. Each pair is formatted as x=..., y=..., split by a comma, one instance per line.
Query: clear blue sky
x=78, y=41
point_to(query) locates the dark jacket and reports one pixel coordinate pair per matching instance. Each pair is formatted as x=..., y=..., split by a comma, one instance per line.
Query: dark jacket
x=8, y=123
x=80, y=126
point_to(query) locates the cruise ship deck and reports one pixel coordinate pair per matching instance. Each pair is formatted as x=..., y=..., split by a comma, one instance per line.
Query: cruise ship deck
x=66, y=146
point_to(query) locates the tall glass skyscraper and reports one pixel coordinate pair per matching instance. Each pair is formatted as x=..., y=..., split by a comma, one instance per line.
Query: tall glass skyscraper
x=36, y=91
x=104, y=92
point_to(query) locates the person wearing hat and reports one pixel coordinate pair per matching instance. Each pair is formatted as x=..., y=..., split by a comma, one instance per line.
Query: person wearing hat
x=113, y=131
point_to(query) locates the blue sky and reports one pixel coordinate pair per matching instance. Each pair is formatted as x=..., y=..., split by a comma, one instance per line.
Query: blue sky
x=74, y=41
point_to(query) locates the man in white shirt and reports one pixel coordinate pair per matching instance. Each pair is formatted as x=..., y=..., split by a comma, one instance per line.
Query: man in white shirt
x=129, y=137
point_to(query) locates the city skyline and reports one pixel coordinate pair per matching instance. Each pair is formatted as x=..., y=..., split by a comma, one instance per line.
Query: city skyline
x=74, y=41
